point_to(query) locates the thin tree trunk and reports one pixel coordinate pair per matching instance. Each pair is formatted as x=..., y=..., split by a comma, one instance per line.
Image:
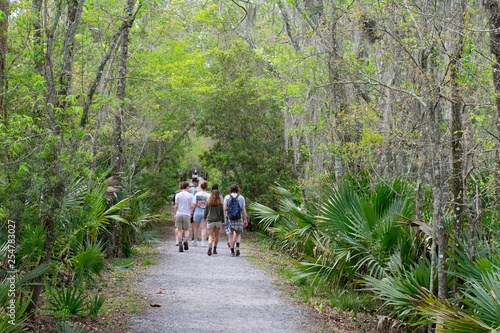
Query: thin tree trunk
x=337, y=98
x=75, y=9
x=120, y=94
x=457, y=135
x=493, y=9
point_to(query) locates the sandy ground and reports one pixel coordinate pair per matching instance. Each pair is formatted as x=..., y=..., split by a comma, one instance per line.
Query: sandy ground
x=218, y=293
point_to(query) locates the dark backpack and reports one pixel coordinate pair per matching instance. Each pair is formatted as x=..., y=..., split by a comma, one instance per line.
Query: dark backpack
x=233, y=208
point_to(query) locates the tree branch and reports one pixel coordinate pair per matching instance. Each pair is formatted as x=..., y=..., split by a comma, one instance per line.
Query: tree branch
x=90, y=95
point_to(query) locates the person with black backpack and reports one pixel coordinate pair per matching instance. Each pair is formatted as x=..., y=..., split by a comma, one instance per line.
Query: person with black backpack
x=234, y=205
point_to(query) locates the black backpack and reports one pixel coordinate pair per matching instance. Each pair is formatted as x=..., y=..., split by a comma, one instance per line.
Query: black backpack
x=233, y=208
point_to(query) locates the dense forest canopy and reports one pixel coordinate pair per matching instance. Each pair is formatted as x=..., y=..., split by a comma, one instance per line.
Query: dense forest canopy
x=105, y=105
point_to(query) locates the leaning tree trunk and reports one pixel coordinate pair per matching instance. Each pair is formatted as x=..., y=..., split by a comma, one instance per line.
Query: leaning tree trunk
x=127, y=24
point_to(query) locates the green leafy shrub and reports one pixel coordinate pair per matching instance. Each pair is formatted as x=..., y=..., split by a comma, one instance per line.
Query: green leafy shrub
x=477, y=308
x=401, y=288
x=94, y=305
x=88, y=262
x=65, y=327
x=20, y=318
x=67, y=302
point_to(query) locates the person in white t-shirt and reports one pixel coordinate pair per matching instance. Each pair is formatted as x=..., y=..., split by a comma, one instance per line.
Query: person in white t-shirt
x=183, y=210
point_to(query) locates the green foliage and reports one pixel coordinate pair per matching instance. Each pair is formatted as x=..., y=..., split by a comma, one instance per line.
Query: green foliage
x=87, y=262
x=16, y=316
x=65, y=327
x=22, y=284
x=360, y=235
x=401, y=288
x=451, y=317
x=291, y=228
x=243, y=121
x=355, y=232
x=67, y=302
x=94, y=305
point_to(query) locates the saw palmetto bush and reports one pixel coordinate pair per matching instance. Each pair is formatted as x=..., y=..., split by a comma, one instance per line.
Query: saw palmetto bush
x=65, y=327
x=477, y=305
x=291, y=227
x=88, y=262
x=354, y=233
x=137, y=219
x=400, y=289
x=360, y=233
x=14, y=322
x=66, y=302
x=25, y=279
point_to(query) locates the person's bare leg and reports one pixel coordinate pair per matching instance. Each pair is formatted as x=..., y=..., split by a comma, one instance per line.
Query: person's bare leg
x=237, y=239
x=180, y=233
x=210, y=236
x=230, y=240
x=216, y=239
x=203, y=226
x=196, y=226
x=216, y=236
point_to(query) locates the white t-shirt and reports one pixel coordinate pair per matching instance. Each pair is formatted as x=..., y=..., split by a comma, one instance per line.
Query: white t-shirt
x=200, y=199
x=183, y=199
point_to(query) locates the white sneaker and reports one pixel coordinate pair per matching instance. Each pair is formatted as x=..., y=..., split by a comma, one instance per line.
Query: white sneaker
x=195, y=242
x=203, y=243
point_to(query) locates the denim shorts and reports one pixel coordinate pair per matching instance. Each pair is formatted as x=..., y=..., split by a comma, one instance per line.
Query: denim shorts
x=198, y=215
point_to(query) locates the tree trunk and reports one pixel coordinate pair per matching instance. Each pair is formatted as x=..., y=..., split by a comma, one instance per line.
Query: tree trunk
x=75, y=9
x=457, y=133
x=493, y=9
x=337, y=99
x=120, y=94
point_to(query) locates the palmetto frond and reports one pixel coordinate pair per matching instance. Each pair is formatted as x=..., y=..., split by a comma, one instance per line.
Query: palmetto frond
x=267, y=216
x=363, y=223
x=450, y=317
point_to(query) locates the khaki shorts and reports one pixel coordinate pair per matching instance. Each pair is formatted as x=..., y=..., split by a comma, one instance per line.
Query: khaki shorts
x=213, y=225
x=182, y=222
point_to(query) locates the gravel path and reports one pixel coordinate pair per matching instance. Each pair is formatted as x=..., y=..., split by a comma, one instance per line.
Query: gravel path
x=219, y=293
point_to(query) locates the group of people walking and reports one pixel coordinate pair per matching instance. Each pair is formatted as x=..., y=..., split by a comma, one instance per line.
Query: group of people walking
x=209, y=211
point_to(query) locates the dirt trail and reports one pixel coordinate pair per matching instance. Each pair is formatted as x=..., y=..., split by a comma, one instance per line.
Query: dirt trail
x=219, y=293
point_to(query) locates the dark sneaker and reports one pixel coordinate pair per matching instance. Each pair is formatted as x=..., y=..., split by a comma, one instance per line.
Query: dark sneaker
x=180, y=249
x=237, y=252
x=209, y=252
x=186, y=247
x=215, y=250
